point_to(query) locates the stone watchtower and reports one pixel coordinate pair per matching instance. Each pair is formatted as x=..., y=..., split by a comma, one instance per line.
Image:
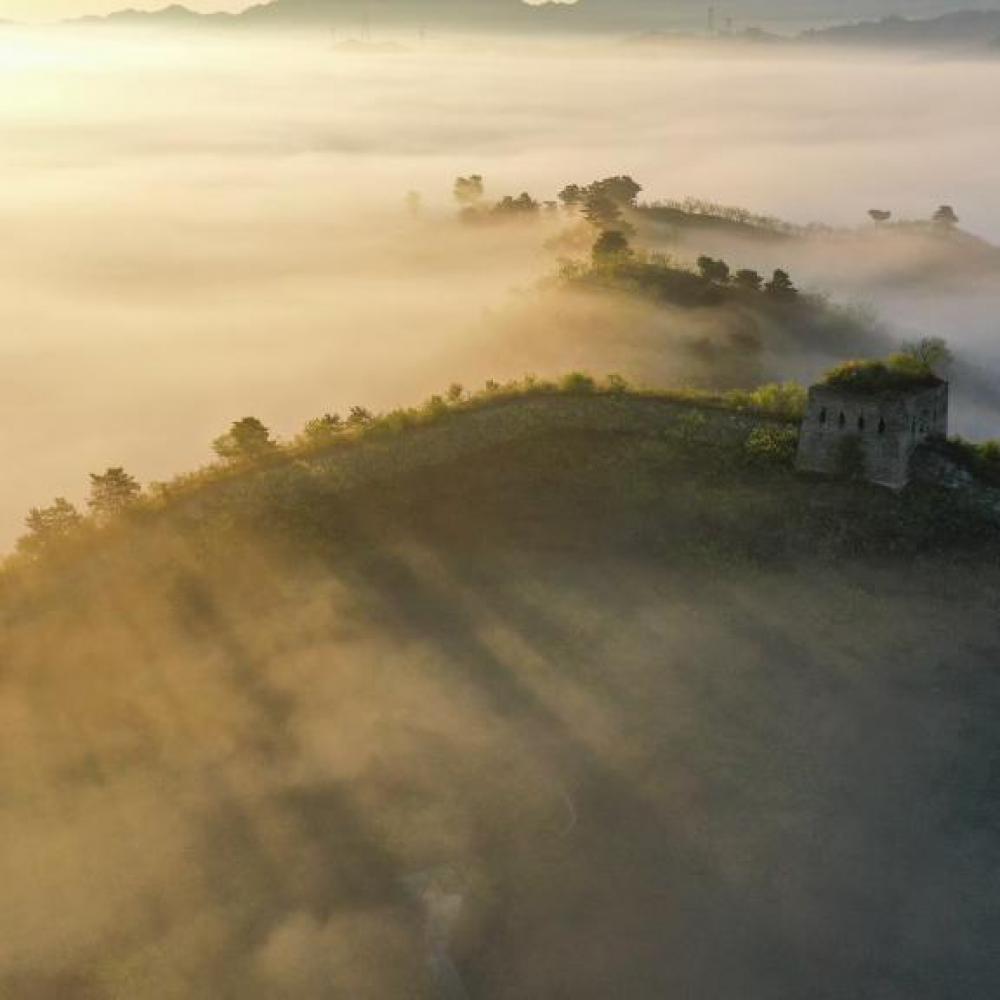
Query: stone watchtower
x=870, y=410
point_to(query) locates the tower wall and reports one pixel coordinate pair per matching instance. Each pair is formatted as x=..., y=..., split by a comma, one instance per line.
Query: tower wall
x=888, y=426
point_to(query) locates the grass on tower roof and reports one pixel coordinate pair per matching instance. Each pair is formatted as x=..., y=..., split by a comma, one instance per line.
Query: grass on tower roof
x=897, y=373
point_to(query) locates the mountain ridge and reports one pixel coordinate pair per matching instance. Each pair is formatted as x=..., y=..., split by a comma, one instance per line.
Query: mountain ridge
x=971, y=29
x=335, y=13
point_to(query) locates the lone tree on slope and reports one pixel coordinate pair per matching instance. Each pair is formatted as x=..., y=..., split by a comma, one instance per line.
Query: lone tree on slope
x=748, y=280
x=572, y=196
x=245, y=440
x=945, y=217
x=49, y=524
x=622, y=190
x=781, y=287
x=714, y=270
x=112, y=492
x=931, y=352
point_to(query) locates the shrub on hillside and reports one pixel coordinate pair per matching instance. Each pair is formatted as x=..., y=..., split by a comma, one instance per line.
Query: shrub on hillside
x=617, y=384
x=321, y=431
x=771, y=445
x=435, y=408
x=784, y=399
x=577, y=382
x=980, y=459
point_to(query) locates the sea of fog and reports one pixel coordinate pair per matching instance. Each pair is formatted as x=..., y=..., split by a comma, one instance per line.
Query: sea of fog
x=198, y=230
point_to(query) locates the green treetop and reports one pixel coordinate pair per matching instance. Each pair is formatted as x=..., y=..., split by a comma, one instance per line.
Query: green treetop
x=112, y=492
x=245, y=440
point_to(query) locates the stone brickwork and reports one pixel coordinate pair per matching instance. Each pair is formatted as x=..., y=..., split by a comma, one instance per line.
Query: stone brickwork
x=889, y=427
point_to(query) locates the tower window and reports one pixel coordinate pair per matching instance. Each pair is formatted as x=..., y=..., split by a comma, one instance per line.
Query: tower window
x=881, y=425
x=842, y=420
x=861, y=423
x=822, y=415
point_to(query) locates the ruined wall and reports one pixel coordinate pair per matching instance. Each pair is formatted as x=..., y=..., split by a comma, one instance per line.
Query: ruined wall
x=888, y=426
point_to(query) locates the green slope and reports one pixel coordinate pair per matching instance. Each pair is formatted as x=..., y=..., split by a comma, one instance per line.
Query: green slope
x=668, y=719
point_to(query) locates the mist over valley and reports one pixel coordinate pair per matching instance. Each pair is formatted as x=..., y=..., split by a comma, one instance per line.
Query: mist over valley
x=199, y=230
x=415, y=586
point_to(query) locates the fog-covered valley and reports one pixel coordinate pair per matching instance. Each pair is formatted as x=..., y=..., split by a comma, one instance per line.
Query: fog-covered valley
x=597, y=709
x=198, y=230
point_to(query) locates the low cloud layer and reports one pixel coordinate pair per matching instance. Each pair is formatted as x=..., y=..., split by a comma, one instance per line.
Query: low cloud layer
x=197, y=230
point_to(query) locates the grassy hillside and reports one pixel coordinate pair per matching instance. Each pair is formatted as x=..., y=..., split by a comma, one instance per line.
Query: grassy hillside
x=664, y=717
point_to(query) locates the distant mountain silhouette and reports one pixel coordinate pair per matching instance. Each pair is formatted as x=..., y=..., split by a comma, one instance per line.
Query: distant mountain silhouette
x=175, y=15
x=385, y=11
x=454, y=14
x=962, y=29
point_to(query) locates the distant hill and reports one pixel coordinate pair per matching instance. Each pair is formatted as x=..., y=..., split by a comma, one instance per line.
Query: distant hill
x=959, y=30
x=457, y=13
x=440, y=14
x=651, y=21
x=173, y=16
